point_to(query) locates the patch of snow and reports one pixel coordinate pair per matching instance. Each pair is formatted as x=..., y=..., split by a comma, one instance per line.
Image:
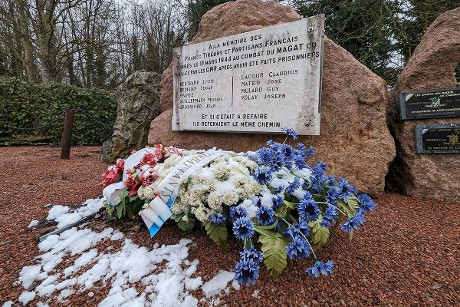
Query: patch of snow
x=217, y=283
x=33, y=224
x=26, y=297
x=57, y=211
x=28, y=275
x=65, y=218
x=236, y=285
x=164, y=272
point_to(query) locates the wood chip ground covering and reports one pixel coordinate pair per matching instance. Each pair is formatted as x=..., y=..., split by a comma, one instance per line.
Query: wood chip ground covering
x=407, y=254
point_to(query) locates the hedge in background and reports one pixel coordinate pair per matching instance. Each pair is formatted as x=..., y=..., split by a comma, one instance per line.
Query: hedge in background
x=38, y=109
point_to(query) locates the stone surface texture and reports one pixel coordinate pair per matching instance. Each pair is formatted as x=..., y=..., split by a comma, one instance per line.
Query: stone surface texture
x=430, y=67
x=138, y=105
x=354, y=139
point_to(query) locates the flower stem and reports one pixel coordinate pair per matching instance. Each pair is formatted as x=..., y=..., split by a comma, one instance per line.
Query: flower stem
x=331, y=205
x=306, y=239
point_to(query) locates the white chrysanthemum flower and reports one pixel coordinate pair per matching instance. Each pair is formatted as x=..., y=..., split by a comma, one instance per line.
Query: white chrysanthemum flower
x=239, y=182
x=172, y=161
x=149, y=192
x=220, y=159
x=176, y=208
x=184, y=197
x=221, y=172
x=246, y=162
x=214, y=200
x=200, y=213
x=252, y=188
x=230, y=198
x=179, y=207
x=140, y=192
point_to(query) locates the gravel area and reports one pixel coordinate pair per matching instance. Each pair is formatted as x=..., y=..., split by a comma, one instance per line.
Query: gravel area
x=407, y=254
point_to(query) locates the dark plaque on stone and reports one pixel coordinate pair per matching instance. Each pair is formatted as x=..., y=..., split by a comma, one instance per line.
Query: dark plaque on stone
x=430, y=104
x=438, y=138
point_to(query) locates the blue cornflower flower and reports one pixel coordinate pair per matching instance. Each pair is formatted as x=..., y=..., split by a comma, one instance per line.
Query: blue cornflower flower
x=253, y=254
x=278, y=201
x=237, y=212
x=298, y=248
x=353, y=223
x=287, y=150
x=319, y=168
x=303, y=227
x=307, y=195
x=345, y=189
x=308, y=209
x=301, y=147
x=330, y=181
x=289, y=232
x=217, y=218
x=246, y=272
x=277, y=162
x=294, y=185
x=332, y=196
x=366, y=203
x=262, y=175
x=330, y=216
x=264, y=155
x=280, y=189
x=309, y=152
x=274, y=145
x=243, y=228
x=306, y=184
x=290, y=132
x=319, y=267
x=293, y=231
x=317, y=183
x=301, y=150
x=265, y=215
x=299, y=161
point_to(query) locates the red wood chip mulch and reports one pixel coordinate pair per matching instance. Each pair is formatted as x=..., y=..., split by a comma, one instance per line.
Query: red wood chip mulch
x=406, y=254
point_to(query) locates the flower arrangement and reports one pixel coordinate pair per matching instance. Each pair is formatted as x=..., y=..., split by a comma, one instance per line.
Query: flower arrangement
x=270, y=199
x=138, y=181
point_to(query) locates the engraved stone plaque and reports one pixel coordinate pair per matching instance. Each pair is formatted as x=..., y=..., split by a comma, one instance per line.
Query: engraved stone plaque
x=430, y=104
x=438, y=138
x=258, y=81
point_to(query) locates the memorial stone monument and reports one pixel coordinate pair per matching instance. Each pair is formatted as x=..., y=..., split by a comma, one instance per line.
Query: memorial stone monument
x=427, y=133
x=276, y=84
x=138, y=104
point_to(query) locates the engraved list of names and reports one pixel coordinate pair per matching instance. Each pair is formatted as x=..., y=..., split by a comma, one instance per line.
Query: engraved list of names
x=259, y=81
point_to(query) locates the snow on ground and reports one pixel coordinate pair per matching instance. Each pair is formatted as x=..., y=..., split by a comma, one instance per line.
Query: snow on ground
x=70, y=263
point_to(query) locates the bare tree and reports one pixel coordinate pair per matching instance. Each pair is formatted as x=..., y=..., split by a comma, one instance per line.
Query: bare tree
x=88, y=42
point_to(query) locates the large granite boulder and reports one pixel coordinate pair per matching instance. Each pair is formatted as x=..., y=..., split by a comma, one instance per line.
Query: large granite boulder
x=430, y=67
x=138, y=105
x=354, y=138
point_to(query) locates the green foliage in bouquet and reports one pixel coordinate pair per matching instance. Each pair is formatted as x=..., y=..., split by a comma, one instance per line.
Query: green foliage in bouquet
x=128, y=207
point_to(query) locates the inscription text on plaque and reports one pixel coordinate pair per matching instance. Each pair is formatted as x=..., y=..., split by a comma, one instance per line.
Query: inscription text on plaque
x=258, y=81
